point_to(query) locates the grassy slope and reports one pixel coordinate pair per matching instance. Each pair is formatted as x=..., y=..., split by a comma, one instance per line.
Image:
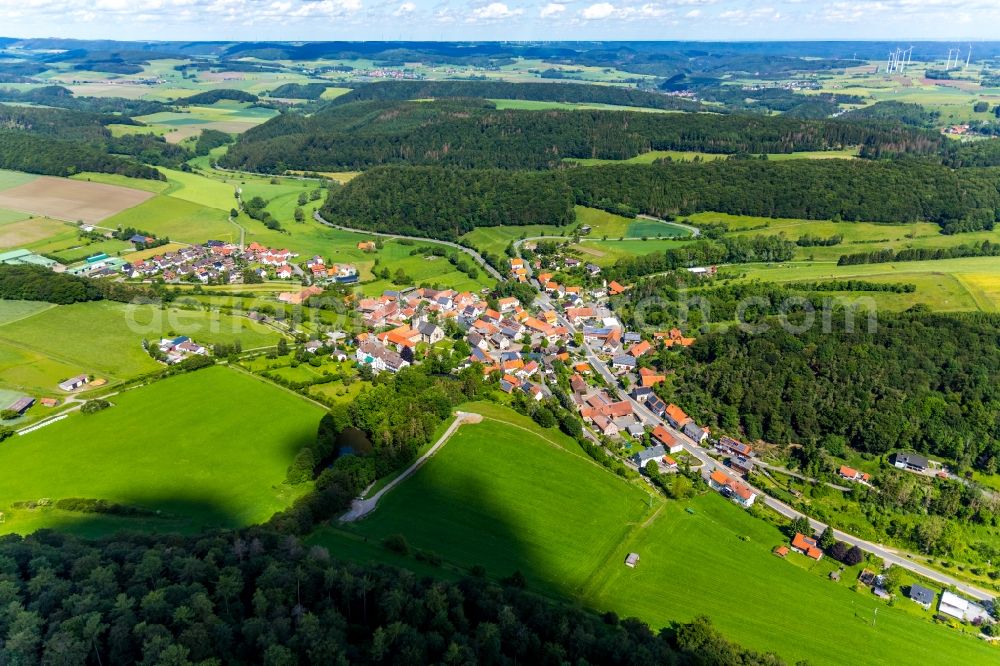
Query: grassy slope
x=689, y=155
x=10, y=179
x=208, y=449
x=500, y=497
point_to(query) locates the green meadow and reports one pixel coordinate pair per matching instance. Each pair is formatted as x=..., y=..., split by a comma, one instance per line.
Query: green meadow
x=509, y=496
x=39, y=347
x=206, y=449
x=946, y=285
x=10, y=179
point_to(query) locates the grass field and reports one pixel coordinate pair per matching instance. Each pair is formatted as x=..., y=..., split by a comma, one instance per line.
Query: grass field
x=505, y=498
x=39, y=347
x=206, y=449
x=946, y=285
x=155, y=186
x=9, y=179
x=480, y=479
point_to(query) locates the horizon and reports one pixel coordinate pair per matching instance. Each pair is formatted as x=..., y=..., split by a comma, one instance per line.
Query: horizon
x=495, y=20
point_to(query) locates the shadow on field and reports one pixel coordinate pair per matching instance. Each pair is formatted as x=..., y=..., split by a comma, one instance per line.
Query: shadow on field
x=164, y=514
x=466, y=524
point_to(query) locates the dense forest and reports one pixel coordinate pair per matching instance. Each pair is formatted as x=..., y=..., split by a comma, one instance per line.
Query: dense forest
x=474, y=134
x=299, y=90
x=261, y=597
x=35, y=283
x=918, y=381
x=850, y=190
x=219, y=94
x=63, y=98
x=579, y=93
x=446, y=203
x=61, y=142
x=21, y=151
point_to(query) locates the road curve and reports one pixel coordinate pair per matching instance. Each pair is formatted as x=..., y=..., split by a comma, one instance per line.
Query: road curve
x=461, y=248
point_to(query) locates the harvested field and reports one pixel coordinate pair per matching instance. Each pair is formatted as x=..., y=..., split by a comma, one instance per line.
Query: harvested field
x=66, y=199
x=25, y=232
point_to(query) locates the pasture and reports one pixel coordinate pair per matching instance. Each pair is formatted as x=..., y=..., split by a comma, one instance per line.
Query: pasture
x=510, y=498
x=39, y=347
x=945, y=285
x=72, y=200
x=219, y=460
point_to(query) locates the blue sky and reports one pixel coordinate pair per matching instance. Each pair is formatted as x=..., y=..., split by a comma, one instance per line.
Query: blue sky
x=502, y=19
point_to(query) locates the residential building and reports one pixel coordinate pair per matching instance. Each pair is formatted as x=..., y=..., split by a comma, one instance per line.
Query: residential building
x=652, y=453
x=922, y=595
x=807, y=546
x=738, y=492
x=852, y=474
x=662, y=436
x=909, y=461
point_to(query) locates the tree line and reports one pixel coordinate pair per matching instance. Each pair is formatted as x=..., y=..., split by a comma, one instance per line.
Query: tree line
x=580, y=93
x=35, y=283
x=474, y=134
x=983, y=249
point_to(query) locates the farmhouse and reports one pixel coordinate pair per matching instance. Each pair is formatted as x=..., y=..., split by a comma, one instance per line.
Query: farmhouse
x=74, y=383
x=922, y=595
x=807, y=546
x=909, y=461
x=366, y=246
x=731, y=488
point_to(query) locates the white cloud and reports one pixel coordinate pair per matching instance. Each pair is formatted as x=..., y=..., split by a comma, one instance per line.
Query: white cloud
x=405, y=8
x=694, y=13
x=552, y=9
x=598, y=11
x=493, y=12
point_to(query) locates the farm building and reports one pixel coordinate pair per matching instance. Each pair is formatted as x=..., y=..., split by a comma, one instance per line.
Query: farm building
x=26, y=257
x=632, y=560
x=21, y=405
x=73, y=383
x=955, y=606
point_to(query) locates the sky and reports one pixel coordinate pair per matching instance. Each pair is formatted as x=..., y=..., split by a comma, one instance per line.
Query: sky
x=295, y=20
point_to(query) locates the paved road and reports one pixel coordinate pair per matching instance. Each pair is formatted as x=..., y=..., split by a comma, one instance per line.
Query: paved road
x=709, y=464
x=461, y=248
x=362, y=507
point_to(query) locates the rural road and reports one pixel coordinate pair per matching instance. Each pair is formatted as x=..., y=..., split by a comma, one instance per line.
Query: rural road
x=362, y=507
x=461, y=248
x=897, y=557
